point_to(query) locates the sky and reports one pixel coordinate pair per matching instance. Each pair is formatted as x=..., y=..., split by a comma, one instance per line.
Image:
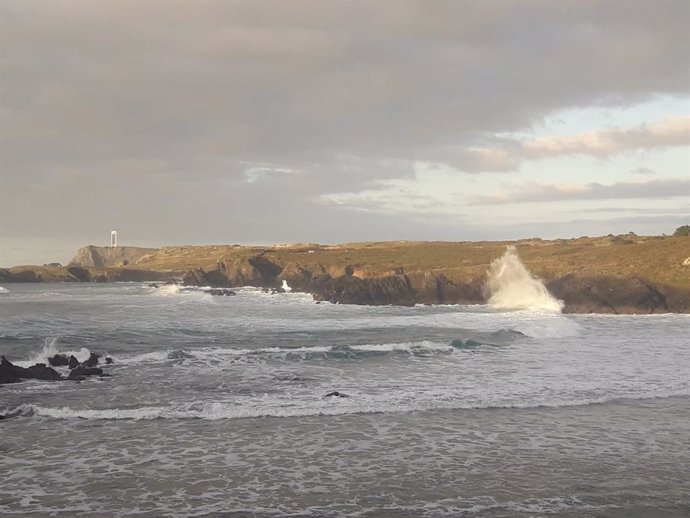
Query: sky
x=260, y=122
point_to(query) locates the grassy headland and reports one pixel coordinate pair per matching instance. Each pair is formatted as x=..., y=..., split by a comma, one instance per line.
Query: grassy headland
x=625, y=273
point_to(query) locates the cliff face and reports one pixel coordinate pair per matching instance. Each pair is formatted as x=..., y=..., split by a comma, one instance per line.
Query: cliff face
x=101, y=256
x=590, y=275
x=613, y=274
x=78, y=274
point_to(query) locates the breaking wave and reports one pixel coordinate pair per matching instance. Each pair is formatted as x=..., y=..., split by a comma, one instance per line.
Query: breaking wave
x=358, y=351
x=512, y=286
x=185, y=293
x=3, y=290
x=277, y=406
x=49, y=350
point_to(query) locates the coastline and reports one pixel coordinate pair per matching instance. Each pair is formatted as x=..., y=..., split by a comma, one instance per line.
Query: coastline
x=613, y=274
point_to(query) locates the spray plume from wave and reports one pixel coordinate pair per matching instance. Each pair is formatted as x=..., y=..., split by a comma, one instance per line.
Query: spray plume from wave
x=512, y=286
x=49, y=350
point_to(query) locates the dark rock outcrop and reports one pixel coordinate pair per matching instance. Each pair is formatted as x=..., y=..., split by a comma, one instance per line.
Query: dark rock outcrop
x=10, y=415
x=335, y=393
x=38, y=372
x=59, y=360
x=92, y=360
x=25, y=275
x=79, y=273
x=221, y=292
x=297, y=277
x=10, y=373
x=393, y=289
x=200, y=277
x=80, y=372
x=608, y=295
x=72, y=363
x=436, y=288
x=7, y=372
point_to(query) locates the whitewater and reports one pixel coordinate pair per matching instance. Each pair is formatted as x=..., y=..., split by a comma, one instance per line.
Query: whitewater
x=219, y=406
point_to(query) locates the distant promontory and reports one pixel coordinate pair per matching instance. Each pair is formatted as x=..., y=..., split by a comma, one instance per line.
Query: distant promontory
x=611, y=274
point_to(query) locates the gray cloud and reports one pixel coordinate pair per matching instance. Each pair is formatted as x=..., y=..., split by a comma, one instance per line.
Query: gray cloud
x=148, y=115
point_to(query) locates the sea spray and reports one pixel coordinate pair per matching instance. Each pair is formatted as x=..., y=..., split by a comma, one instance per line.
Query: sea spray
x=4, y=290
x=512, y=286
x=49, y=350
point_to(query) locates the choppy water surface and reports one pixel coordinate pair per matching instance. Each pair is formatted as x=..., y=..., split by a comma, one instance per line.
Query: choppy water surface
x=216, y=407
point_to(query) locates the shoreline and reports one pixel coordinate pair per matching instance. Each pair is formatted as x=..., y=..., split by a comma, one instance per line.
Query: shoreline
x=612, y=274
x=319, y=297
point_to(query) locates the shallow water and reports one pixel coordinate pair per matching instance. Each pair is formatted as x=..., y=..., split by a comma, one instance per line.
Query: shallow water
x=216, y=407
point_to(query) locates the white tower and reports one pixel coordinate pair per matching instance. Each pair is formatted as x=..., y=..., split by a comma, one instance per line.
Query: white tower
x=113, y=238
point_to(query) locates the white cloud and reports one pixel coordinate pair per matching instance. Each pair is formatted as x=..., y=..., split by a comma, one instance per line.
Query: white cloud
x=674, y=131
x=666, y=188
x=256, y=173
x=509, y=154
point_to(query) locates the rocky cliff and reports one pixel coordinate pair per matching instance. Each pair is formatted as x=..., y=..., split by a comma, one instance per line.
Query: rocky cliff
x=102, y=256
x=80, y=274
x=611, y=274
x=590, y=275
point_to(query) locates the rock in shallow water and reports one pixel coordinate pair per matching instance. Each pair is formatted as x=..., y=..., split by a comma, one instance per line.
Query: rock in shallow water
x=335, y=393
x=59, y=360
x=10, y=373
x=92, y=361
x=73, y=363
x=82, y=371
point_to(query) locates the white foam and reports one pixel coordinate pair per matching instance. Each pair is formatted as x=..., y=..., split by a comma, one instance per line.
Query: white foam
x=167, y=290
x=215, y=353
x=410, y=347
x=512, y=286
x=272, y=406
x=4, y=290
x=183, y=293
x=49, y=350
x=286, y=287
x=155, y=356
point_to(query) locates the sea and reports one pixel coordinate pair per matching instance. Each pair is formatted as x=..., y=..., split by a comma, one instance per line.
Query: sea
x=219, y=406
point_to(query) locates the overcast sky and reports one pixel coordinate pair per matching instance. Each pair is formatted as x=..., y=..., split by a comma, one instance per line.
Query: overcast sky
x=201, y=122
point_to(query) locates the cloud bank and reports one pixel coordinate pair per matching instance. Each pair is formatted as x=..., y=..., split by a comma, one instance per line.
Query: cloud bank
x=228, y=121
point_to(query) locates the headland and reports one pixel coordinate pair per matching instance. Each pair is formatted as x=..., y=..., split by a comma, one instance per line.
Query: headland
x=610, y=274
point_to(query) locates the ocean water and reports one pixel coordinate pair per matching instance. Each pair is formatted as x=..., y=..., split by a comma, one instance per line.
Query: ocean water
x=217, y=406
